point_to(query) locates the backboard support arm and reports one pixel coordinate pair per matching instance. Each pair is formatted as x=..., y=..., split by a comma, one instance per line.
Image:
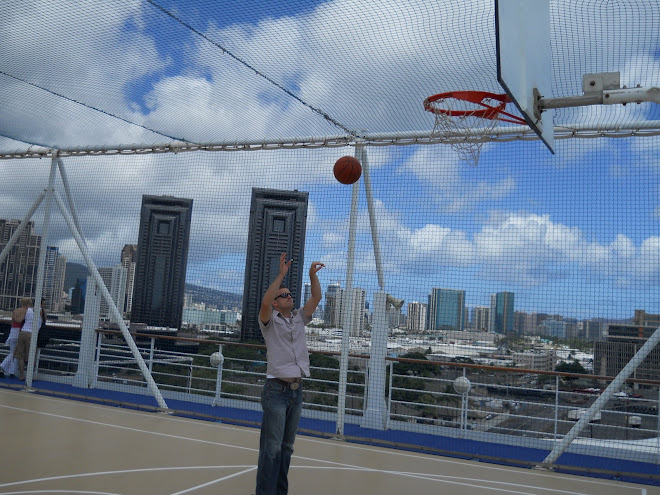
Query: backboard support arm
x=601, y=89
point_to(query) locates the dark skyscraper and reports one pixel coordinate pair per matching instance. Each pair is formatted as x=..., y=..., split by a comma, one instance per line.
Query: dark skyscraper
x=278, y=220
x=160, y=272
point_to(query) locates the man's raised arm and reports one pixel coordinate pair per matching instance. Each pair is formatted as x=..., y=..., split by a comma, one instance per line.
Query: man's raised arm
x=315, y=298
x=271, y=293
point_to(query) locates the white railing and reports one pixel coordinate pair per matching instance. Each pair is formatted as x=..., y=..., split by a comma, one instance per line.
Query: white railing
x=506, y=405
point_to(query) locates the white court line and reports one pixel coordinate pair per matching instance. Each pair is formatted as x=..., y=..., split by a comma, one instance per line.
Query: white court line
x=118, y=471
x=530, y=473
x=448, y=479
x=253, y=468
x=434, y=458
x=428, y=477
x=58, y=491
x=248, y=468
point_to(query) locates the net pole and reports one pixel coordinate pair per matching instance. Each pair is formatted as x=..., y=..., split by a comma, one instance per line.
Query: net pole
x=69, y=197
x=607, y=394
x=362, y=153
x=151, y=384
x=348, y=310
x=41, y=269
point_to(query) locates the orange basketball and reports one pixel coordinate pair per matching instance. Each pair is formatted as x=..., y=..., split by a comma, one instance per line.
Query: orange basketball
x=347, y=170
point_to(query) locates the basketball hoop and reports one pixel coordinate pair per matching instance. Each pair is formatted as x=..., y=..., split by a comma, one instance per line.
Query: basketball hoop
x=467, y=118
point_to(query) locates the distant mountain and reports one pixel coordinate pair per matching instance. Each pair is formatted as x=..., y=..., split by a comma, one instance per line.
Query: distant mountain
x=74, y=271
x=213, y=297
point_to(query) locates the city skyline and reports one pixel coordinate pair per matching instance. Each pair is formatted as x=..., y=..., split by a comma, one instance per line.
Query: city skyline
x=470, y=320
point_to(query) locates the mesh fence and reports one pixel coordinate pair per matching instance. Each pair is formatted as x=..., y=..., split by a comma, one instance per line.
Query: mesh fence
x=144, y=73
x=528, y=262
x=534, y=276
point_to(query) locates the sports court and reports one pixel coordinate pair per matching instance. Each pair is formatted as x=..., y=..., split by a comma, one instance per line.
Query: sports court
x=77, y=447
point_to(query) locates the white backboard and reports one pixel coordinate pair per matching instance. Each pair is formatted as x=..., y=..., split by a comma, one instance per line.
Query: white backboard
x=522, y=29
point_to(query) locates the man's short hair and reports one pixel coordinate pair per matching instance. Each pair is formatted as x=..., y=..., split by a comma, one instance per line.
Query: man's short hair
x=26, y=301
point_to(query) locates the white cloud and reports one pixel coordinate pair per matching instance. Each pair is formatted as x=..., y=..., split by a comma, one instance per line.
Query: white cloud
x=441, y=173
x=369, y=66
x=523, y=249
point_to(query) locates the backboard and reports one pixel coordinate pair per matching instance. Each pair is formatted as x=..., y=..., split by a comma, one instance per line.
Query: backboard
x=522, y=30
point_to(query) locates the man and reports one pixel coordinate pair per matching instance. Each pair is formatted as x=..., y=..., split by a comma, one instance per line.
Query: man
x=283, y=328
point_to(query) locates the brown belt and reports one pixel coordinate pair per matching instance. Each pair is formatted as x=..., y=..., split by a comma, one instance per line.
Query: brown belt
x=292, y=383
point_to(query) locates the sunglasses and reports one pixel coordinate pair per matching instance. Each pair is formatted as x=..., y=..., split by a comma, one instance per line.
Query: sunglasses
x=284, y=295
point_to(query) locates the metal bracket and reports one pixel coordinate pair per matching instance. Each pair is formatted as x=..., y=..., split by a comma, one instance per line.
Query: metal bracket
x=597, y=83
x=537, y=106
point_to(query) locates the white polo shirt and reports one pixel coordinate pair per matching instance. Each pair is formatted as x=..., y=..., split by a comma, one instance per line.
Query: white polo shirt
x=286, y=345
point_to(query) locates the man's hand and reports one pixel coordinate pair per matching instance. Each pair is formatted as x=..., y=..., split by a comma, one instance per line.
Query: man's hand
x=316, y=266
x=284, y=264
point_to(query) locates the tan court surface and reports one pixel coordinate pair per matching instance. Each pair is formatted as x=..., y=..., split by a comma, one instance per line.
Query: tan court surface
x=52, y=445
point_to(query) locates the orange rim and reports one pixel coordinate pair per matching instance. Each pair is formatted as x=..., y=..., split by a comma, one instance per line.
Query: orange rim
x=478, y=98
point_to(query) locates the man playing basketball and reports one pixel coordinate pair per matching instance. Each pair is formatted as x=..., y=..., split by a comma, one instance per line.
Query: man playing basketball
x=283, y=328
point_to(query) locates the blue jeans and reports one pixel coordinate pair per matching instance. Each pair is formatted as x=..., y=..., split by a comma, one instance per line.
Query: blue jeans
x=282, y=407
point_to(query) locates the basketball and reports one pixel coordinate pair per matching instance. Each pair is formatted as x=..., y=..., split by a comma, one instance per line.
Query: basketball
x=347, y=170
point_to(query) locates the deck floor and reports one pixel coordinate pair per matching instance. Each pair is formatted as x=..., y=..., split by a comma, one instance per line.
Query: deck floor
x=53, y=445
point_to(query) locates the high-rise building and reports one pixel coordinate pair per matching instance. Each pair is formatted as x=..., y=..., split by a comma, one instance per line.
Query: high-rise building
x=501, y=313
x=622, y=343
x=554, y=328
x=480, y=318
x=358, y=297
x=446, y=309
x=278, y=222
x=332, y=311
x=54, y=271
x=536, y=360
x=18, y=271
x=114, y=278
x=128, y=261
x=590, y=329
x=318, y=312
x=160, y=271
x=529, y=323
x=416, y=317
x=78, y=296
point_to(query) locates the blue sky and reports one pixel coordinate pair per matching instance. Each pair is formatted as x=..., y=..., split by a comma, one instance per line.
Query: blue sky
x=575, y=233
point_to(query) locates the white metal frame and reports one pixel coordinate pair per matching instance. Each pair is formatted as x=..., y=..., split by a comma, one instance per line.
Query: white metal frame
x=71, y=219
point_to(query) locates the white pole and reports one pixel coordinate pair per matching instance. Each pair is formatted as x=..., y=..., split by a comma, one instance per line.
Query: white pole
x=217, y=400
x=348, y=309
x=151, y=384
x=40, y=274
x=607, y=394
x=372, y=216
x=375, y=410
x=375, y=406
x=69, y=197
x=87, y=371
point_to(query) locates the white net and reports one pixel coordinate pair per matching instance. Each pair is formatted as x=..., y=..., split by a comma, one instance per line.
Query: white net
x=466, y=123
x=527, y=266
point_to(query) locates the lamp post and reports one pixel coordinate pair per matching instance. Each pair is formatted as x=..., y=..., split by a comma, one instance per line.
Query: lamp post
x=462, y=386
